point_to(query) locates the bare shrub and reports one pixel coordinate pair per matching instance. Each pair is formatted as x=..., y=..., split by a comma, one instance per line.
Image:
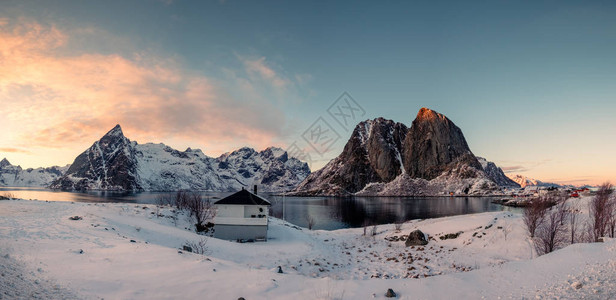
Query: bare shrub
x=373, y=230
x=611, y=223
x=181, y=200
x=506, y=230
x=398, y=225
x=174, y=217
x=201, y=210
x=311, y=221
x=534, y=213
x=199, y=247
x=366, y=224
x=164, y=200
x=550, y=234
x=573, y=224
x=600, y=211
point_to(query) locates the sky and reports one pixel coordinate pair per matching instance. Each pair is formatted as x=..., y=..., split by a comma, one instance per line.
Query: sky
x=530, y=83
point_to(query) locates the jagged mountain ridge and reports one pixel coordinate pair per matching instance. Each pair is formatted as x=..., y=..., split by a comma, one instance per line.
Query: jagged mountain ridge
x=116, y=163
x=11, y=175
x=385, y=158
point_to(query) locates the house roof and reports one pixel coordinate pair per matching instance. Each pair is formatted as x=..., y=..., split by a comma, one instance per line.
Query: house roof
x=243, y=197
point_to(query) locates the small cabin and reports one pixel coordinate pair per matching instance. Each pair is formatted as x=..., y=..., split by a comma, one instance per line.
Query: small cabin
x=241, y=216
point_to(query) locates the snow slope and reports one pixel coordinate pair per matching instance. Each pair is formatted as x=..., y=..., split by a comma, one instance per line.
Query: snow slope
x=128, y=251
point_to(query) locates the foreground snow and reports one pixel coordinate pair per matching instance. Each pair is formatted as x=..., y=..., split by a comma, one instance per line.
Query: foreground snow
x=95, y=258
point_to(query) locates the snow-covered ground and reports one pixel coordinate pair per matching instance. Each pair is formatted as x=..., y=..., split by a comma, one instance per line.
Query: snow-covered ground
x=129, y=251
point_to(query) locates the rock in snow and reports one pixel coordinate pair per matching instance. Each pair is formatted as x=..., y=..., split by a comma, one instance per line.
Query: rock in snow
x=385, y=158
x=416, y=238
x=116, y=163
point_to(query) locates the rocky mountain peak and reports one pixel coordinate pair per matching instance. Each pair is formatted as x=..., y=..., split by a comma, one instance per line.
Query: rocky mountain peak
x=372, y=154
x=275, y=152
x=433, y=143
x=116, y=131
x=428, y=114
x=109, y=164
x=4, y=163
x=113, y=139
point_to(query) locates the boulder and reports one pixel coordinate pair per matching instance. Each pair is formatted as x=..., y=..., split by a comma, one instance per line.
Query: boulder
x=390, y=293
x=416, y=238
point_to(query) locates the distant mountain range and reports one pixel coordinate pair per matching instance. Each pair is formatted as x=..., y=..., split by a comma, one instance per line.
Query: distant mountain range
x=385, y=158
x=381, y=158
x=524, y=181
x=115, y=163
x=11, y=175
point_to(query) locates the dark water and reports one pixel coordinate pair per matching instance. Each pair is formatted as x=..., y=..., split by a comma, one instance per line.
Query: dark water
x=328, y=212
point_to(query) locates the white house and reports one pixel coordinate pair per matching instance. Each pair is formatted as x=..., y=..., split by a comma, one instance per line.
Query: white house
x=241, y=216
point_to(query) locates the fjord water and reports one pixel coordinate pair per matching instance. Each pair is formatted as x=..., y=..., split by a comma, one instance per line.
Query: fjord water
x=328, y=213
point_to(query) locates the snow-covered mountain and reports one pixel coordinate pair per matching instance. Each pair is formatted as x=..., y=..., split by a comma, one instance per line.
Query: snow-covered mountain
x=496, y=174
x=372, y=154
x=116, y=163
x=385, y=158
x=524, y=181
x=11, y=175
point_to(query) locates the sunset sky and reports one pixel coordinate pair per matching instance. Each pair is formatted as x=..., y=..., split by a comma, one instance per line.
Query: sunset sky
x=532, y=85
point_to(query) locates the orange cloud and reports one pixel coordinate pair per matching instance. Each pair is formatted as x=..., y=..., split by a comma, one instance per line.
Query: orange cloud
x=13, y=150
x=52, y=99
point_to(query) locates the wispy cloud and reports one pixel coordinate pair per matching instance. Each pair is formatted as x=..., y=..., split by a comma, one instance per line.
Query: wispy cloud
x=258, y=67
x=509, y=166
x=67, y=98
x=14, y=150
x=513, y=169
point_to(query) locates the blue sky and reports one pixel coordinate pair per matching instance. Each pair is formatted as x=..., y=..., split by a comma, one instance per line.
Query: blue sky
x=531, y=84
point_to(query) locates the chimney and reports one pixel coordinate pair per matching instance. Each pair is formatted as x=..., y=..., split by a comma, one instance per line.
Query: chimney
x=255, y=189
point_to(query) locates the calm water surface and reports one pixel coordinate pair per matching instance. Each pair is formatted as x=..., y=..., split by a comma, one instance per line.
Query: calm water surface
x=328, y=212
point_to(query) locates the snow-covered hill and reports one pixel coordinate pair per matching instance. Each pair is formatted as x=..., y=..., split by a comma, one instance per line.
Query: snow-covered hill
x=11, y=175
x=128, y=251
x=116, y=163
